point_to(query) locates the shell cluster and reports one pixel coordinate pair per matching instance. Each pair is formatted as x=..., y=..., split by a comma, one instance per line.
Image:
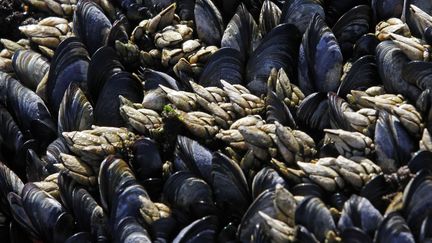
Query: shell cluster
x=217, y=121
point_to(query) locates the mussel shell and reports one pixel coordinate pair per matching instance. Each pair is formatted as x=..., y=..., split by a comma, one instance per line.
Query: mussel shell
x=420, y=160
x=308, y=189
x=277, y=110
x=225, y=64
x=320, y=59
x=277, y=203
x=335, y=9
x=11, y=137
x=300, y=12
x=241, y=33
x=313, y=112
x=89, y=215
x=28, y=110
x=21, y=217
x=416, y=28
x=355, y=235
x=390, y=61
x=192, y=156
x=375, y=190
x=43, y=210
x=428, y=35
x=114, y=176
x=130, y=230
x=273, y=53
x=418, y=73
x=118, y=32
x=337, y=117
x=30, y=67
x=146, y=162
x=269, y=17
x=83, y=237
x=153, y=79
x=69, y=64
x=201, y=230
x=230, y=188
x=265, y=179
x=393, y=228
x=76, y=112
x=305, y=236
x=365, y=45
x=362, y=75
x=208, y=21
x=263, y=203
x=351, y=26
x=9, y=182
x=191, y=194
x=227, y=8
x=107, y=109
x=393, y=144
x=126, y=203
x=425, y=230
x=417, y=200
x=385, y=9
x=315, y=216
x=91, y=25
x=359, y=212
x=185, y=9
x=104, y=64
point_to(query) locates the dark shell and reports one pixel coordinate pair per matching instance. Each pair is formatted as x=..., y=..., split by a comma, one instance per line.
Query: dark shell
x=9, y=182
x=265, y=179
x=313, y=112
x=335, y=9
x=30, y=67
x=269, y=17
x=75, y=113
x=337, y=117
x=320, y=59
x=393, y=144
x=146, y=162
x=385, y=9
x=152, y=79
x=277, y=110
x=416, y=26
x=365, y=45
x=130, y=230
x=390, y=62
x=359, y=212
x=190, y=194
x=241, y=33
x=104, y=64
x=351, y=26
x=362, y=75
x=107, y=109
x=201, y=230
x=417, y=200
x=192, y=156
x=273, y=53
x=69, y=65
x=308, y=189
x=315, y=216
x=418, y=73
x=420, y=160
x=394, y=229
x=224, y=64
x=91, y=25
x=28, y=110
x=230, y=188
x=208, y=21
x=300, y=12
